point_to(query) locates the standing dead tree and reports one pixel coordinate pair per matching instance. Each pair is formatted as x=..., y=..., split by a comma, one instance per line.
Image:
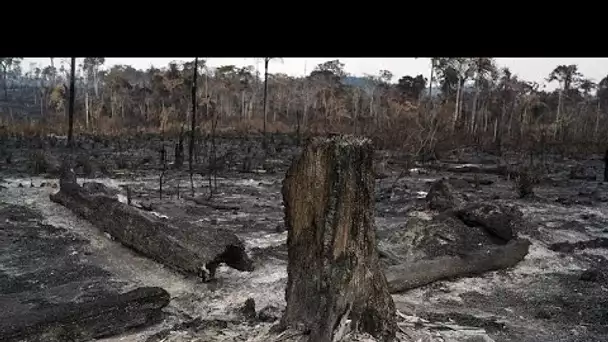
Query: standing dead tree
x=193, y=126
x=335, y=284
x=163, y=162
x=212, y=152
x=71, y=105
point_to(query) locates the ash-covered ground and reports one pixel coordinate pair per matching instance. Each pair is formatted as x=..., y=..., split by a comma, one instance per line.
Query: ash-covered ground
x=552, y=295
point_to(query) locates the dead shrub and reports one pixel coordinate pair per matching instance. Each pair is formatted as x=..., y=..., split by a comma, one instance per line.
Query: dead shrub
x=41, y=162
x=122, y=162
x=525, y=181
x=87, y=165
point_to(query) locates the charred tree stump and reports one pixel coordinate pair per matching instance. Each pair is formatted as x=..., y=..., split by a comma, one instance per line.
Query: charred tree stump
x=334, y=279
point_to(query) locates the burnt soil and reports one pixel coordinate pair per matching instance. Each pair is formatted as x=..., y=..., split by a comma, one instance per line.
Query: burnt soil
x=552, y=295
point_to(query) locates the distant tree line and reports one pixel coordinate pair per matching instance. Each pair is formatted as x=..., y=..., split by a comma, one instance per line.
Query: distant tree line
x=470, y=101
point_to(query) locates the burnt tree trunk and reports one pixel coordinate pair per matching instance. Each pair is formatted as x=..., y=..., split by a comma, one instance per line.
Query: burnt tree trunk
x=181, y=246
x=71, y=104
x=179, y=152
x=411, y=275
x=334, y=278
x=193, y=126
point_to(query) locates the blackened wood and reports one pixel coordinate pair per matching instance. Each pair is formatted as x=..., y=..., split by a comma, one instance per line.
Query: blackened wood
x=334, y=278
x=411, y=275
x=105, y=316
x=182, y=246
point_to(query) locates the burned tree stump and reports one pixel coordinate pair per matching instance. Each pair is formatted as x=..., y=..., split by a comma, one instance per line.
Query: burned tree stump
x=334, y=279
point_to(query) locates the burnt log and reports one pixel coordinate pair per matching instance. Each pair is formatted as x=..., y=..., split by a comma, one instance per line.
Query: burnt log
x=182, y=246
x=411, y=275
x=105, y=316
x=334, y=280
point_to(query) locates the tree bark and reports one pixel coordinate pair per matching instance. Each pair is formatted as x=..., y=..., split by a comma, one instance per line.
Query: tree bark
x=457, y=109
x=186, y=248
x=408, y=276
x=105, y=316
x=86, y=101
x=266, y=60
x=4, y=71
x=71, y=105
x=193, y=125
x=333, y=272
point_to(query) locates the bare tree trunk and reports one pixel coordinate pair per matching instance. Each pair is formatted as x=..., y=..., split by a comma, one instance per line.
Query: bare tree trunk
x=4, y=83
x=431, y=82
x=510, y=126
x=473, y=122
x=457, y=109
x=96, y=82
x=193, y=124
x=86, y=101
x=53, y=79
x=334, y=277
x=558, y=117
x=266, y=60
x=72, y=95
x=243, y=114
x=597, y=121
x=112, y=103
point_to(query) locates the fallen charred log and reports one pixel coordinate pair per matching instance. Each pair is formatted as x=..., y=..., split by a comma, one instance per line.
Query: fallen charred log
x=184, y=247
x=411, y=275
x=105, y=316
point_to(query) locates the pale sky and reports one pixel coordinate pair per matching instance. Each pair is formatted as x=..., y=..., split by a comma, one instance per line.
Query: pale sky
x=531, y=69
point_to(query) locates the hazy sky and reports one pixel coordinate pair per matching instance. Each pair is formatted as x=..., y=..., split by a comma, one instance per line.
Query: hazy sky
x=532, y=69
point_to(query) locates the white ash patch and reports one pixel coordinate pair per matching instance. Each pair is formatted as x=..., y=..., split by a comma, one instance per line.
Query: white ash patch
x=264, y=240
x=423, y=215
x=598, y=252
x=563, y=235
x=421, y=194
x=419, y=171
